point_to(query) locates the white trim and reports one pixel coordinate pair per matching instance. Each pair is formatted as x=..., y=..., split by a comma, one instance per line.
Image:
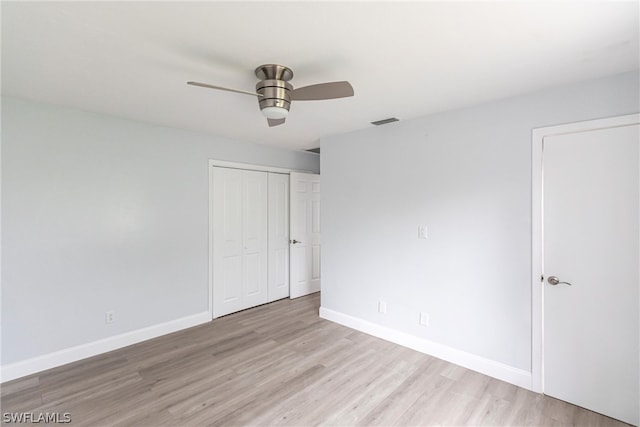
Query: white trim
x=79, y=352
x=476, y=363
x=537, y=267
x=252, y=167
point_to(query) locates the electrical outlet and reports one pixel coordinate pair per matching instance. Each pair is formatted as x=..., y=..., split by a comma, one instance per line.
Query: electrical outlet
x=109, y=316
x=382, y=307
x=422, y=232
x=424, y=318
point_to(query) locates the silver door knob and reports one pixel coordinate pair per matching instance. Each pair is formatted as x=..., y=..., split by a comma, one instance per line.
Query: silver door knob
x=294, y=241
x=553, y=280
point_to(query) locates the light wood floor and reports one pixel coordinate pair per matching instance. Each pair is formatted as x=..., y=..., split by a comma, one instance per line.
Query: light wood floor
x=279, y=364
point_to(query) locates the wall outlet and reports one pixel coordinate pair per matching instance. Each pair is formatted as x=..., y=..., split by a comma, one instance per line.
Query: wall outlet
x=424, y=318
x=382, y=307
x=109, y=316
x=422, y=232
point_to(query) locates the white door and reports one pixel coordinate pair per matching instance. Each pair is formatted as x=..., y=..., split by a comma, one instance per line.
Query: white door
x=239, y=240
x=591, y=240
x=305, y=234
x=278, y=236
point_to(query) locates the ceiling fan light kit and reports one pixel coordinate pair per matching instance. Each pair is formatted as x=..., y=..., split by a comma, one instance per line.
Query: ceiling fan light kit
x=275, y=112
x=275, y=93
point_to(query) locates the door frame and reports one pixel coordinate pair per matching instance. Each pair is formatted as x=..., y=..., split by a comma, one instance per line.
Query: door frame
x=537, y=243
x=230, y=165
x=312, y=238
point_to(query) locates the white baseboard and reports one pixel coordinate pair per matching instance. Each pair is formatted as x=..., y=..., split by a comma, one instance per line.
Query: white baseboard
x=476, y=363
x=72, y=354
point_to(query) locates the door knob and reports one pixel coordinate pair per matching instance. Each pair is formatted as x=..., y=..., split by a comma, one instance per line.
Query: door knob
x=294, y=241
x=553, y=280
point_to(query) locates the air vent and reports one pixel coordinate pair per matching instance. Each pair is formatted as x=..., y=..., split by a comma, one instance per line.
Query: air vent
x=385, y=121
x=314, y=150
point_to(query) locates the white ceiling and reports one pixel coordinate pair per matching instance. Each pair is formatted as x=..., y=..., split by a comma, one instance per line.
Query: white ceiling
x=132, y=59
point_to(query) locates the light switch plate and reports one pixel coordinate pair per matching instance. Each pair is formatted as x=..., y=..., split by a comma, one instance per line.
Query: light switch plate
x=424, y=318
x=382, y=307
x=109, y=316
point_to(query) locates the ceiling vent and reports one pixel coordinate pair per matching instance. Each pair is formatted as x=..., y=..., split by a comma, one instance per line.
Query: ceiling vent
x=384, y=121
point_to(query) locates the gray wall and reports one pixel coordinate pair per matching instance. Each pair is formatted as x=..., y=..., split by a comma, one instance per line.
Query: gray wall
x=466, y=174
x=101, y=213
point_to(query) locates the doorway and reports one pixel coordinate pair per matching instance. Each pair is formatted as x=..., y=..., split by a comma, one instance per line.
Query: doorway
x=586, y=249
x=252, y=214
x=305, y=234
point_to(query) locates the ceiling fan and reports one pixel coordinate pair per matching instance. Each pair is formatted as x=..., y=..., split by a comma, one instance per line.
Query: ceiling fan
x=275, y=93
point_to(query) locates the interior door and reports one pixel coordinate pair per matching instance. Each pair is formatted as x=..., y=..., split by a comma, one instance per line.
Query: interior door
x=591, y=241
x=278, y=236
x=239, y=240
x=305, y=234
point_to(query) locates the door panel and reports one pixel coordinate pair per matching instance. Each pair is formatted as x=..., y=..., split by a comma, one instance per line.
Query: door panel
x=278, y=236
x=232, y=270
x=228, y=248
x=591, y=239
x=315, y=262
x=252, y=274
x=299, y=207
x=315, y=216
x=306, y=231
x=254, y=217
x=239, y=240
x=255, y=238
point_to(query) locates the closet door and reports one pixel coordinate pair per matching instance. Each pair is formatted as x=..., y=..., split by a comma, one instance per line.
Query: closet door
x=278, y=236
x=239, y=240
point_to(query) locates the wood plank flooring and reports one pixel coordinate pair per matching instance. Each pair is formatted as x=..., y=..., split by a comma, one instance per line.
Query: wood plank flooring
x=281, y=365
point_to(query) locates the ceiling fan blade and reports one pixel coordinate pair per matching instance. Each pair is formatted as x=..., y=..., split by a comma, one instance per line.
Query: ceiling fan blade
x=320, y=91
x=224, y=88
x=275, y=122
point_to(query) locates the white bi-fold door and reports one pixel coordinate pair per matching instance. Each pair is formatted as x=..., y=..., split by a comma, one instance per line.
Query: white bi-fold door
x=278, y=200
x=250, y=244
x=239, y=240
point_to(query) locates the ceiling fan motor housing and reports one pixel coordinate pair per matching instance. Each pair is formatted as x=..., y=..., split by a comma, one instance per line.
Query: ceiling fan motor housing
x=275, y=93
